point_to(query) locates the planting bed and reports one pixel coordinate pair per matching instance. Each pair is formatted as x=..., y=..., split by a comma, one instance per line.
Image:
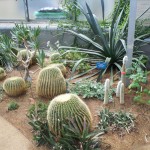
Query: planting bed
x=139, y=139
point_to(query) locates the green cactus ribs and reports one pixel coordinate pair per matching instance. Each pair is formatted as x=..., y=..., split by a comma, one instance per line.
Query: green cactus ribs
x=2, y=73
x=54, y=58
x=60, y=66
x=68, y=107
x=14, y=86
x=50, y=82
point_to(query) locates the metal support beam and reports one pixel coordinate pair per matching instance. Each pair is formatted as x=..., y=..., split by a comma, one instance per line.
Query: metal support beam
x=26, y=10
x=131, y=31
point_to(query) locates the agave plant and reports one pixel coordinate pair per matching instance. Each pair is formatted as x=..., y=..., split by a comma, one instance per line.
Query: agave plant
x=108, y=42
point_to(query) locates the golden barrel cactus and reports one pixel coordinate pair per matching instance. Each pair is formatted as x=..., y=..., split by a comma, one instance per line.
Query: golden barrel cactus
x=2, y=73
x=50, y=82
x=54, y=58
x=65, y=107
x=14, y=86
x=60, y=66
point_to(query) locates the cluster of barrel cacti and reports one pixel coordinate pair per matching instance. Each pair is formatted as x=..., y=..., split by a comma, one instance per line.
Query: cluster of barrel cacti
x=14, y=86
x=50, y=82
x=64, y=108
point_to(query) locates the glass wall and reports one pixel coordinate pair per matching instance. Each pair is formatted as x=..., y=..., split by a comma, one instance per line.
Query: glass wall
x=11, y=9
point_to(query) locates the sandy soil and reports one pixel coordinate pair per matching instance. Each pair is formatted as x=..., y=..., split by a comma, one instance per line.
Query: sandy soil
x=110, y=141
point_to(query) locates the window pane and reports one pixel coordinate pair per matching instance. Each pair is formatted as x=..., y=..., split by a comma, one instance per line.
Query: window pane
x=11, y=9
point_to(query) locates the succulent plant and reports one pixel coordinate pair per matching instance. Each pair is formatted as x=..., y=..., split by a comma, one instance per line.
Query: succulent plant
x=123, y=70
x=2, y=73
x=23, y=54
x=67, y=107
x=60, y=66
x=122, y=93
x=54, y=57
x=14, y=86
x=118, y=89
x=50, y=82
x=106, y=91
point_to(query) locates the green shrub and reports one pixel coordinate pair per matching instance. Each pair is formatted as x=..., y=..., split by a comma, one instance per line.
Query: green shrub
x=90, y=89
x=13, y=105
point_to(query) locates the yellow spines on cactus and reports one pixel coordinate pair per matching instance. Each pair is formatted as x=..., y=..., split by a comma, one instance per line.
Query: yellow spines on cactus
x=2, y=73
x=60, y=66
x=50, y=82
x=14, y=86
x=68, y=107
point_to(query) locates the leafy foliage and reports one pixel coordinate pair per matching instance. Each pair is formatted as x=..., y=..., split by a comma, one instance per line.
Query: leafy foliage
x=7, y=56
x=13, y=105
x=90, y=89
x=116, y=121
x=71, y=139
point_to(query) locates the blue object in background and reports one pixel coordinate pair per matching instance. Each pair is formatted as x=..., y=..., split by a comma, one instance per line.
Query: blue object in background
x=101, y=65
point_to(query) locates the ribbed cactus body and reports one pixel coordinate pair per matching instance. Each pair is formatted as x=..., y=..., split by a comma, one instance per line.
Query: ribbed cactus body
x=118, y=89
x=60, y=66
x=123, y=70
x=54, y=57
x=122, y=93
x=68, y=107
x=50, y=82
x=23, y=55
x=14, y=86
x=2, y=73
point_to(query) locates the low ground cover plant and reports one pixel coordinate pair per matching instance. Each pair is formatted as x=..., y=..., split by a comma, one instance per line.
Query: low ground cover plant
x=90, y=89
x=13, y=105
x=120, y=122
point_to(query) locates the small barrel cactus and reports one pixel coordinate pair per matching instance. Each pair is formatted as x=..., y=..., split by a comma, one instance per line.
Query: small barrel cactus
x=54, y=58
x=122, y=93
x=2, y=73
x=14, y=86
x=60, y=66
x=50, y=82
x=118, y=89
x=106, y=91
x=67, y=107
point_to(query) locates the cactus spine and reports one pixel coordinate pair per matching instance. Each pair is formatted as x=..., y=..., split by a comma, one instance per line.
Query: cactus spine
x=106, y=91
x=122, y=93
x=50, y=82
x=118, y=89
x=2, y=73
x=67, y=107
x=123, y=70
x=60, y=66
x=14, y=86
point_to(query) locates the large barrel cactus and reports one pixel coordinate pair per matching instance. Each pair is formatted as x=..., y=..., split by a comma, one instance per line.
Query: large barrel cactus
x=67, y=107
x=14, y=86
x=60, y=66
x=50, y=82
x=2, y=73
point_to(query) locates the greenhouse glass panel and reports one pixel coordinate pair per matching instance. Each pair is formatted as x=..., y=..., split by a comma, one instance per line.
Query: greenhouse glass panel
x=36, y=5
x=11, y=9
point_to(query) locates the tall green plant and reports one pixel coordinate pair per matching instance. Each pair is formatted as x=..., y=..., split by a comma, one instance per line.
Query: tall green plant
x=108, y=43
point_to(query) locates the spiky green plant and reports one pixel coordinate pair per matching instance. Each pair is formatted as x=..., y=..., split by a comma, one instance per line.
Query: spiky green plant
x=2, y=73
x=50, y=82
x=67, y=107
x=14, y=86
x=60, y=66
